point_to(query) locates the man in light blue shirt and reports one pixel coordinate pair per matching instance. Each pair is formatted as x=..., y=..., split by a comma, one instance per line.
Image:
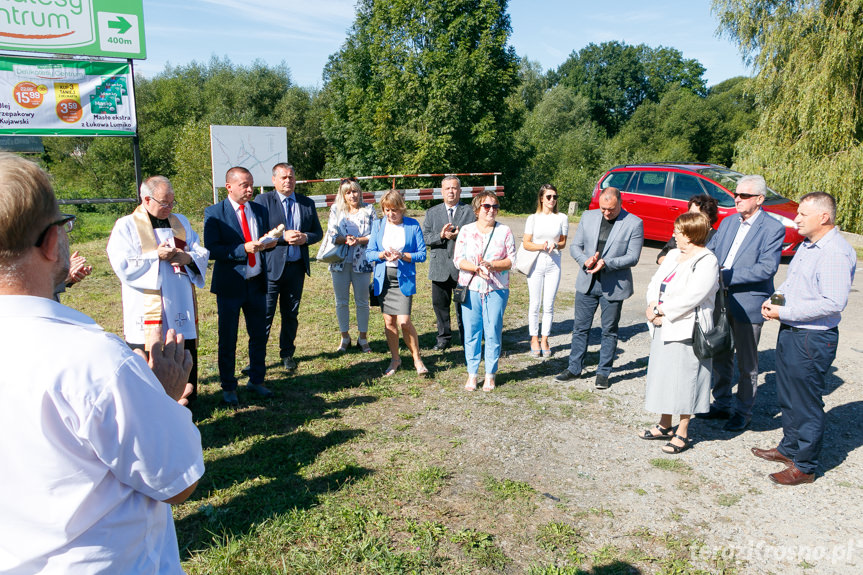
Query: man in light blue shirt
x=816, y=291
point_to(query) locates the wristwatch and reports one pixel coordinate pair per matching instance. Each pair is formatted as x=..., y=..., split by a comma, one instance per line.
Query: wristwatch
x=656, y=310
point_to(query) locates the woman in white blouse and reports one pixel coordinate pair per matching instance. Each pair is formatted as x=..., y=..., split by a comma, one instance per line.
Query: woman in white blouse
x=678, y=382
x=545, y=232
x=351, y=221
x=396, y=245
x=484, y=252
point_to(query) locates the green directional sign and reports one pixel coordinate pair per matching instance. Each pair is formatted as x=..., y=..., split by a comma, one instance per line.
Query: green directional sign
x=113, y=28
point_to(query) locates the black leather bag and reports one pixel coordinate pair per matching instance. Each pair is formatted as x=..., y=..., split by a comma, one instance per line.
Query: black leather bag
x=459, y=293
x=718, y=340
x=374, y=300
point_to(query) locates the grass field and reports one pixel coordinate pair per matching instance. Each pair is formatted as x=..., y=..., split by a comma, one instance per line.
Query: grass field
x=336, y=474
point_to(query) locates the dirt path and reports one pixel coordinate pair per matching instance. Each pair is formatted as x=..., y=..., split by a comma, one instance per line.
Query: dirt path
x=579, y=447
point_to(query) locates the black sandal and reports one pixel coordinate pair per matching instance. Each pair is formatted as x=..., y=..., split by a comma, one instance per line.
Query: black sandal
x=665, y=433
x=672, y=449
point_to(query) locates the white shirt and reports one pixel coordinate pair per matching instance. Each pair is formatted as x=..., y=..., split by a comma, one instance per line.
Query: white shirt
x=91, y=447
x=251, y=271
x=546, y=227
x=393, y=239
x=139, y=271
x=745, y=226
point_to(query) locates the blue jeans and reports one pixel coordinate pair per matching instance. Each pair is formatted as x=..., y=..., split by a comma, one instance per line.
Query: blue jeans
x=803, y=358
x=483, y=316
x=585, y=309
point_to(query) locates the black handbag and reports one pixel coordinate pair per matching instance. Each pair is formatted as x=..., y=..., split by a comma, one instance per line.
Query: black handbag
x=374, y=300
x=459, y=292
x=719, y=339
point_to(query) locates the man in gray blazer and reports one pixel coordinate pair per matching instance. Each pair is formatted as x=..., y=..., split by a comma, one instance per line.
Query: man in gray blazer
x=607, y=244
x=748, y=247
x=440, y=230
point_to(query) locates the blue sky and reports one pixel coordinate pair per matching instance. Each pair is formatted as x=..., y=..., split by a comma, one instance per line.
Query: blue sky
x=304, y=34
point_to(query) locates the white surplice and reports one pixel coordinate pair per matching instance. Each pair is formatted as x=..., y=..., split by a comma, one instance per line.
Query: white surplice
x=145, y=271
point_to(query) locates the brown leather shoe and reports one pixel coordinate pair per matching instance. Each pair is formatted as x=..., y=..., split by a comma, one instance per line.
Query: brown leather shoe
x=791, y=476
x=771, y=454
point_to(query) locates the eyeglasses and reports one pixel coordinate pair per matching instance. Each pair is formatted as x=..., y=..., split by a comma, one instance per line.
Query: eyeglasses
x=745, y=196
x=551, y=198
x=166, y=206
x=490, y=207
x=66, y=220
x=347, y=180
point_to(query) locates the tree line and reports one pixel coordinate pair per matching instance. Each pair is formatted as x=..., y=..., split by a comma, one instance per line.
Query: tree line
x=433, y=85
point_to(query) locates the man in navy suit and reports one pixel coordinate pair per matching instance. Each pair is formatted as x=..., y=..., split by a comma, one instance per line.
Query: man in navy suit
x=231, y=231
x=748, y=248
x=288, y=263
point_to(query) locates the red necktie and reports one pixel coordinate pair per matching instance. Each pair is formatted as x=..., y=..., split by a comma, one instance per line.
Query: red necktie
x=246, y=234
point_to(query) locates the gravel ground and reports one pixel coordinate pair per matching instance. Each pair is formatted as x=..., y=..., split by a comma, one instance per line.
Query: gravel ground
x=590, y=457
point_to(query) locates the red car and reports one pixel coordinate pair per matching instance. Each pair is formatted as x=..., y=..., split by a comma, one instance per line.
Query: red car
x=658, y=193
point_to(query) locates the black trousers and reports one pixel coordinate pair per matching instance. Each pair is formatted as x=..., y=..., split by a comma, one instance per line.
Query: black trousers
x=192, y=346
x=441, y=301
x=288, y=288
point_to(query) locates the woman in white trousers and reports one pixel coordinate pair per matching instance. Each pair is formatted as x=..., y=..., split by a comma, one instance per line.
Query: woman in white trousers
x=545, y=232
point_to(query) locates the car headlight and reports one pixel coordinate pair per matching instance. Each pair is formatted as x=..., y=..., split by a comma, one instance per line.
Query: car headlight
x=782, y=220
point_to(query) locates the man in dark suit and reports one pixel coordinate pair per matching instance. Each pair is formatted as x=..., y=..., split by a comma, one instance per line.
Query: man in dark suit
x=231, y=231
x=748, y=248
x=607, y=244
x=288, y=263
x=440, y=230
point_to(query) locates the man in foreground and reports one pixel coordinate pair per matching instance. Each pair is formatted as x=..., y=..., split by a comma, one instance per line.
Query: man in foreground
x=159, y=260
x=748, y=248
x=96, y=446
x=607, y=244
x=440, y=230
x=288, y=263
x=816, y=291
x=232, y=232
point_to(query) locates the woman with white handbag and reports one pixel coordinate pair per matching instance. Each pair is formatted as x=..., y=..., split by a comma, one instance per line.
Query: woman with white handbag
x=351, y=223
x=544, y=236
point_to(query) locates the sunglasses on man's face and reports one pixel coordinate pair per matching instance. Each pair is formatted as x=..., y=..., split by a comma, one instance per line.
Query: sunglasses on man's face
x=490, y=207
x=745, y=196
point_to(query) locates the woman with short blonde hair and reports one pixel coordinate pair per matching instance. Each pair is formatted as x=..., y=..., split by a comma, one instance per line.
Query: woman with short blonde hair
x=396, y=244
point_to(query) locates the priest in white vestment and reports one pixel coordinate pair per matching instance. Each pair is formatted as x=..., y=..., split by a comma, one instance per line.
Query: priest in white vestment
x=159, y=260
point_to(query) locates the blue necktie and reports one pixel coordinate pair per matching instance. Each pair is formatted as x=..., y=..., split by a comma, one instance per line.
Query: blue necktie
x=293, y=251
x=289, y=213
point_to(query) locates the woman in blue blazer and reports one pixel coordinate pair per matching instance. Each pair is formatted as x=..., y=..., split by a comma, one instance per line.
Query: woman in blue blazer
x=395, y=245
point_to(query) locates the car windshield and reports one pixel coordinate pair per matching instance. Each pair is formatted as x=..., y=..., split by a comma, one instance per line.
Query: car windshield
x=728, y=179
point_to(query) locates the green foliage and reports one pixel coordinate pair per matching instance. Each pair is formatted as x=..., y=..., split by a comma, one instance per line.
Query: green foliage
x=422, y=86
x=675, y=465
x=508, y=489
x=686, y=127
x=563, y=146
x=175, y=111
x=616, y=78
x=557, y=535
x=480, y=546
x=809, y=62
